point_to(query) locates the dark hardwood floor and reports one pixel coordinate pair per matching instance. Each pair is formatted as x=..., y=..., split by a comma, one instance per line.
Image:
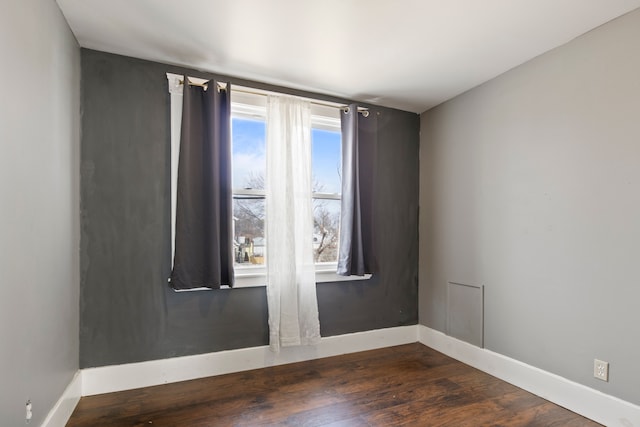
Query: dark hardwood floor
x=409, y=385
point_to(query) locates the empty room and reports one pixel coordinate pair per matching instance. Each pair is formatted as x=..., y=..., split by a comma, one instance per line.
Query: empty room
x=320, y=213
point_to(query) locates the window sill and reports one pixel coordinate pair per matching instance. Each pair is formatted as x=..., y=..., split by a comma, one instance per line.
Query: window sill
x=251, y=277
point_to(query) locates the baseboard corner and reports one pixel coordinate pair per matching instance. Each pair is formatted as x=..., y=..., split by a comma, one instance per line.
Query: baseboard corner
x=64, y=407
x=593, y=404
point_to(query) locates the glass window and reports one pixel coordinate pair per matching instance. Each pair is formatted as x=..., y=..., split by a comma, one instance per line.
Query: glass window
x=248, y=158
x=326, y=166
x=249, y=163
x=248, y=134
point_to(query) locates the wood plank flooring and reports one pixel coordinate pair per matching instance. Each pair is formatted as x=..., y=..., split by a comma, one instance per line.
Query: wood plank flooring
x=409, y=385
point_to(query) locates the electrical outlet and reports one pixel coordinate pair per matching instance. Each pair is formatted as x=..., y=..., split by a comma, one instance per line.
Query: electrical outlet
x=601, y=370
x=28, y=411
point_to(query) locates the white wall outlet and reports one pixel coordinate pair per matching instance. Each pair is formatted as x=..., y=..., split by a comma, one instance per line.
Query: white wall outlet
x=601, y=370
x=29, y=411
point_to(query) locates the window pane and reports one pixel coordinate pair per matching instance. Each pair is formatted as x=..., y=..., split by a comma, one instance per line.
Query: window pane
x=248, y=160
x=249, y=164
x=248, y=151
x=326, y=161
x=248, y=223
x=326, y=226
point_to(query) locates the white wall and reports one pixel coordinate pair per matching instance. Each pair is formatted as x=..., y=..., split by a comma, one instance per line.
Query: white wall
x=530, y=185
x=39, y=132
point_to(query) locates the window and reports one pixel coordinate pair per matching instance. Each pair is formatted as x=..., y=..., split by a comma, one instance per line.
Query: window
x=248, y=139
x=248, y=151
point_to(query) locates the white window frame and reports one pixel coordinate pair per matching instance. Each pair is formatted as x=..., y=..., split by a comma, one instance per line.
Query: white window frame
x=253, y=106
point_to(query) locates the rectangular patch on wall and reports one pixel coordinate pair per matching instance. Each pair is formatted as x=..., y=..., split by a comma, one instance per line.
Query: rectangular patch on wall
x=465, y=312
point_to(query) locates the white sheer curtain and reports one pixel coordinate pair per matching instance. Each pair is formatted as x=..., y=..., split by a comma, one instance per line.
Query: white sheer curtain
x=291, y=287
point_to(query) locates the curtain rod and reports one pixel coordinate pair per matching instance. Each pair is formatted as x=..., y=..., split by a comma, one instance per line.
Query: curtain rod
x=362, y=110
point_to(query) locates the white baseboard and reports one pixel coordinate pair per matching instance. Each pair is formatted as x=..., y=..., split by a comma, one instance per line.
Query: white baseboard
x=108, y=379
x=593, y=404
x=62, y=410
x=578, y=398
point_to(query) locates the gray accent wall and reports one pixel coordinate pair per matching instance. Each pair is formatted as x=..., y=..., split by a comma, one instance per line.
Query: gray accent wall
x=39, y=213
x=128, y=312
x=530, y=186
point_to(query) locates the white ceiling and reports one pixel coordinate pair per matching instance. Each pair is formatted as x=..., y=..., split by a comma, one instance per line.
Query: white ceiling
x=407, y=54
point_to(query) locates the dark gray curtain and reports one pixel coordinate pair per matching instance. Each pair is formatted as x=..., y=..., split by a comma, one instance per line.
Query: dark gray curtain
x=357, y=240
x=204, y=242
